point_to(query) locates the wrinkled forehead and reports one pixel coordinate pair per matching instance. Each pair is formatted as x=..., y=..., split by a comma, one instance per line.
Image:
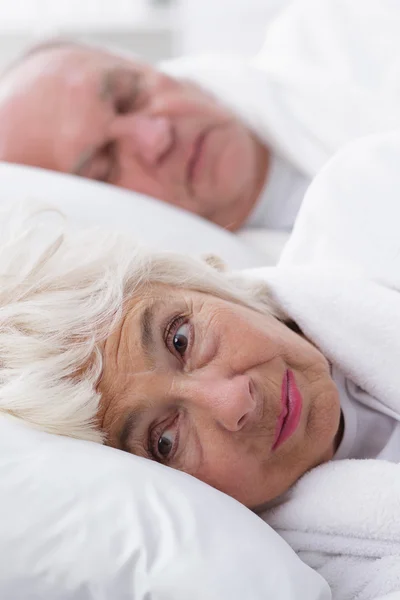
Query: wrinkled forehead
x=55, y=66
x=130, y=339
x=52, y=95
x=126, y=356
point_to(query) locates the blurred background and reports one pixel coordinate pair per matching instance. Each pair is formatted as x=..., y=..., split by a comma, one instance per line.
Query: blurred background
x=154, y=29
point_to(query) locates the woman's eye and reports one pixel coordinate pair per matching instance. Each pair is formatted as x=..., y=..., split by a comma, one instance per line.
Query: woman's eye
x=178, y=337
x=181, y=339
x=164, y=440
x=165, y=444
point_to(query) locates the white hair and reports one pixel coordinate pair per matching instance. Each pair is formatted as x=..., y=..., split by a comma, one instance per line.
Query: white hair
x=62, y=292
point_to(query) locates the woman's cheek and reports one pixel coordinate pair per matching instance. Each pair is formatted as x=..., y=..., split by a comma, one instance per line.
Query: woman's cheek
x=233, y=477
x=190, y=455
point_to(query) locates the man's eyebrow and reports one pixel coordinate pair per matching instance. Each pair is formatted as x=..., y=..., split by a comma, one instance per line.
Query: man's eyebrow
x=107, y=84
x=84, y=160
x=109, y=80
x=105, y=90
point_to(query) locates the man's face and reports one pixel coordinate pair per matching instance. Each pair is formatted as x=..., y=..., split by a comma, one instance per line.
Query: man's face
x=109, y=118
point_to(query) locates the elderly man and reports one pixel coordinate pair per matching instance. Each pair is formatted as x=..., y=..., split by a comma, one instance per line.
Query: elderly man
x=234, y=142
x=86, y=111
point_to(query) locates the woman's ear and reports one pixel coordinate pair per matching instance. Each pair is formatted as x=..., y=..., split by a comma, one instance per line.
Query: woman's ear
x=216, y=262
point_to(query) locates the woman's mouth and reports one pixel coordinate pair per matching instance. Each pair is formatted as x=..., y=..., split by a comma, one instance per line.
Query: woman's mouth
x=292, y=404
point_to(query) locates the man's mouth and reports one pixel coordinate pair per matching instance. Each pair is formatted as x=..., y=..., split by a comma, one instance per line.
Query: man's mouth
x=292, y=405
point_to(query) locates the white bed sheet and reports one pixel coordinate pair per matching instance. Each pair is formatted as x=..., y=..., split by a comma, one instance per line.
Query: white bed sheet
x=267, y=241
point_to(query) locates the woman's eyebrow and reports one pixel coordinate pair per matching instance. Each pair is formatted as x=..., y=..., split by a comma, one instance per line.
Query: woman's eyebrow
x=148, y=345
x=147, y=327
x=131, y=424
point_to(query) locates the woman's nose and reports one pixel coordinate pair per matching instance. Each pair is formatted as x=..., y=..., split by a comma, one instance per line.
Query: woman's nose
x=230, y=402
x=149, y=138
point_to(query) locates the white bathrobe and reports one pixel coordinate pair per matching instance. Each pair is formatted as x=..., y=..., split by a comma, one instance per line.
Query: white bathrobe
x=329, y=72
x=339, y=279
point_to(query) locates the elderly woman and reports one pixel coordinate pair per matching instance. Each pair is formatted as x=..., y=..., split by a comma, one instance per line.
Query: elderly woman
x=246, y=381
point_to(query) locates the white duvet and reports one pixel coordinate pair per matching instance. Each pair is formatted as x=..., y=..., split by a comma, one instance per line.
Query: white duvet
x=328, y=73
x=339, y=279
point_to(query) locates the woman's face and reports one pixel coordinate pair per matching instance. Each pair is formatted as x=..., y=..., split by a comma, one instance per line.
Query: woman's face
x=231, y=396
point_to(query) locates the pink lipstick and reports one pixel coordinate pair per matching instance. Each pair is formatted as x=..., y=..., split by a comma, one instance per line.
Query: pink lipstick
x=292, y=405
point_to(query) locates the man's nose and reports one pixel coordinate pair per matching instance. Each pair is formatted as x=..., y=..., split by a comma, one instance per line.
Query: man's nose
x=149, y=138
x=228, y=401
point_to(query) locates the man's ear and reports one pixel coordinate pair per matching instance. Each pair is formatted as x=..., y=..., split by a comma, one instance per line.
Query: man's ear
x=216, y=262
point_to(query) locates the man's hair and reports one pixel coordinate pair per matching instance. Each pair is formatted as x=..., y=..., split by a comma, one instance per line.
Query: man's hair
x=62, y=292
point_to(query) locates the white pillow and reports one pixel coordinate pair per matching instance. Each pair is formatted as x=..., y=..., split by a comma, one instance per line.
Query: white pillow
x=151, y=221
x=80, y=521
